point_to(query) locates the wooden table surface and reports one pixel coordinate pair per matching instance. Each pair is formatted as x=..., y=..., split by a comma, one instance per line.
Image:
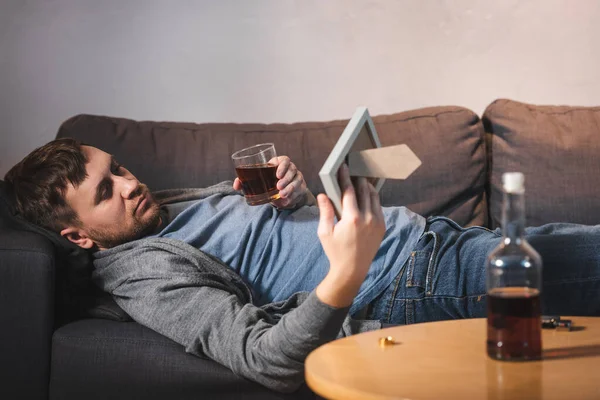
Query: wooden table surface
x=448, y=360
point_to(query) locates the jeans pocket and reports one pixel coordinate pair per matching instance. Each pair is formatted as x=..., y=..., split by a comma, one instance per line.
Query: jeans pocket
x=460, y=228
x=421, y=264
x=416, y=273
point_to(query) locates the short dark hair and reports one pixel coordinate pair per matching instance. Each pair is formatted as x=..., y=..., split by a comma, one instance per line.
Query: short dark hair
x=39, y=183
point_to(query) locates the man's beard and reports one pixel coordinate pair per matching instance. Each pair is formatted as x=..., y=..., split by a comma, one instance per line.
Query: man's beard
x=107, y=239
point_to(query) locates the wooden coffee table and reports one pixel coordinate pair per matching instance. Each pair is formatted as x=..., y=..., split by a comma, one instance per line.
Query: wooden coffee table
x=448, y=360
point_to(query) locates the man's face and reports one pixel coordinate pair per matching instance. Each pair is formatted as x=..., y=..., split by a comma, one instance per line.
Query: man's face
x=112, y=205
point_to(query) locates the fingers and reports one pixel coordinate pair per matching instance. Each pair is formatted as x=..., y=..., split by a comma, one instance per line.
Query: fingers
x=294, y=189
x=275, y=160
x=349, y=203
x=283, y=164
x=363, y=195
x=287, y=172
x=237, y=184
x=290, y=196
x=360, y=200
x=290, y=184
x=375, y=202
x=279, y=203
x=326, y=216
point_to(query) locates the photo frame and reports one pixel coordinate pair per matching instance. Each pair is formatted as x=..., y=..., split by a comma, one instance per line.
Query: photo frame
x=359, y=134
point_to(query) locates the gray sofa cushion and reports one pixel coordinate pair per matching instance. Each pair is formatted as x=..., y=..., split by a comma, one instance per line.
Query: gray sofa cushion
x=98, y=359
x=449, y=141
x=557, y=148
x=76, y=296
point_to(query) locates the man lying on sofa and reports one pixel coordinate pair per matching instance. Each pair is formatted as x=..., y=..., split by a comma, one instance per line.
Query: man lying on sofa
x=258, y=288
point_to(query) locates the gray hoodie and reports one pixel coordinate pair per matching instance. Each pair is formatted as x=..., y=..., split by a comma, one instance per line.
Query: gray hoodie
x=202, y=304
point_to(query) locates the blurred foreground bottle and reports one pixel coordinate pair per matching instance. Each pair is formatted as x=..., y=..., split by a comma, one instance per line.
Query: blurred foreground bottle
x=514, y=279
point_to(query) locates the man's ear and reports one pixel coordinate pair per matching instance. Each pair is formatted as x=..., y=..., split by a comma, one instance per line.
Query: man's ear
x=77, y=236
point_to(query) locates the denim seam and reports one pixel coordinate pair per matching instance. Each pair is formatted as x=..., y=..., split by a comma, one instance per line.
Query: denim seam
x=390, y=304
x=411, y=267
x=409, y=311
x=460, y=228
x=432, y=264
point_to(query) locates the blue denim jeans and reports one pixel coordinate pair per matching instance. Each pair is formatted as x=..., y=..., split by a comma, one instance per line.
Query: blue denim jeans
x=444, y=277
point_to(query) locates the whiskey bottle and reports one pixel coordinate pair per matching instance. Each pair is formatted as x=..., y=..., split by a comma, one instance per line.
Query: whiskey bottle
x=514, y=279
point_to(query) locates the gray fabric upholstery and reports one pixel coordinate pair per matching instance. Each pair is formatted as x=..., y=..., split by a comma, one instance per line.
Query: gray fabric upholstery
x=558, y=150
x=449, y=141
x=27, y=274
x=26, y=313
x=99, y=359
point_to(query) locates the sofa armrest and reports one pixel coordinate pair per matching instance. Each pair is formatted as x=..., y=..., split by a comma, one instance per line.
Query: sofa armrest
x=26, y=313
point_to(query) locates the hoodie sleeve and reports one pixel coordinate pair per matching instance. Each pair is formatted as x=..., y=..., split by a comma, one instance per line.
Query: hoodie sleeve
x=164, y=294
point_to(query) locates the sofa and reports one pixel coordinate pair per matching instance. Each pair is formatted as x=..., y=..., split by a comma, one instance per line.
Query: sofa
x=60, y=338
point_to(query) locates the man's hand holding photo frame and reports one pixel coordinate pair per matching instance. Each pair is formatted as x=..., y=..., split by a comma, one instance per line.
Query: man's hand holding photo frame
x=360, y=148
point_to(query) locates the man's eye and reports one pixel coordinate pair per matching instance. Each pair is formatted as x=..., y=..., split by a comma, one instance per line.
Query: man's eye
x=107, y=194
x=117, y=169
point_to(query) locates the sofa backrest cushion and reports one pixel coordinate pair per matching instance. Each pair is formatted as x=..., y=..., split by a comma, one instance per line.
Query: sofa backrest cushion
x=76, y=295
x=449, y=140
x=558, y=150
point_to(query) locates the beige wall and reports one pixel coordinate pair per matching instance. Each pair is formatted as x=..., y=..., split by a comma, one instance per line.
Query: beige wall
x=277, y=60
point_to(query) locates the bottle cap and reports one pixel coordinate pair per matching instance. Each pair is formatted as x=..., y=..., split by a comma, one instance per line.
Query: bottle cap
x=513, y=182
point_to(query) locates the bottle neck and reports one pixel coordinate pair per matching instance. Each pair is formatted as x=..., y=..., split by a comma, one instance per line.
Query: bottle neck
x=513, y=217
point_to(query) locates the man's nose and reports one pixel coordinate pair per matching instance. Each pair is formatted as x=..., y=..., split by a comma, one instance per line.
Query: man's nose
x=127, y=187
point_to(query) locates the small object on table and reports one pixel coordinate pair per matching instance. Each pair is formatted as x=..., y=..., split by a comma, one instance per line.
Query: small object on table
x=555, y=322
x=386, y=341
